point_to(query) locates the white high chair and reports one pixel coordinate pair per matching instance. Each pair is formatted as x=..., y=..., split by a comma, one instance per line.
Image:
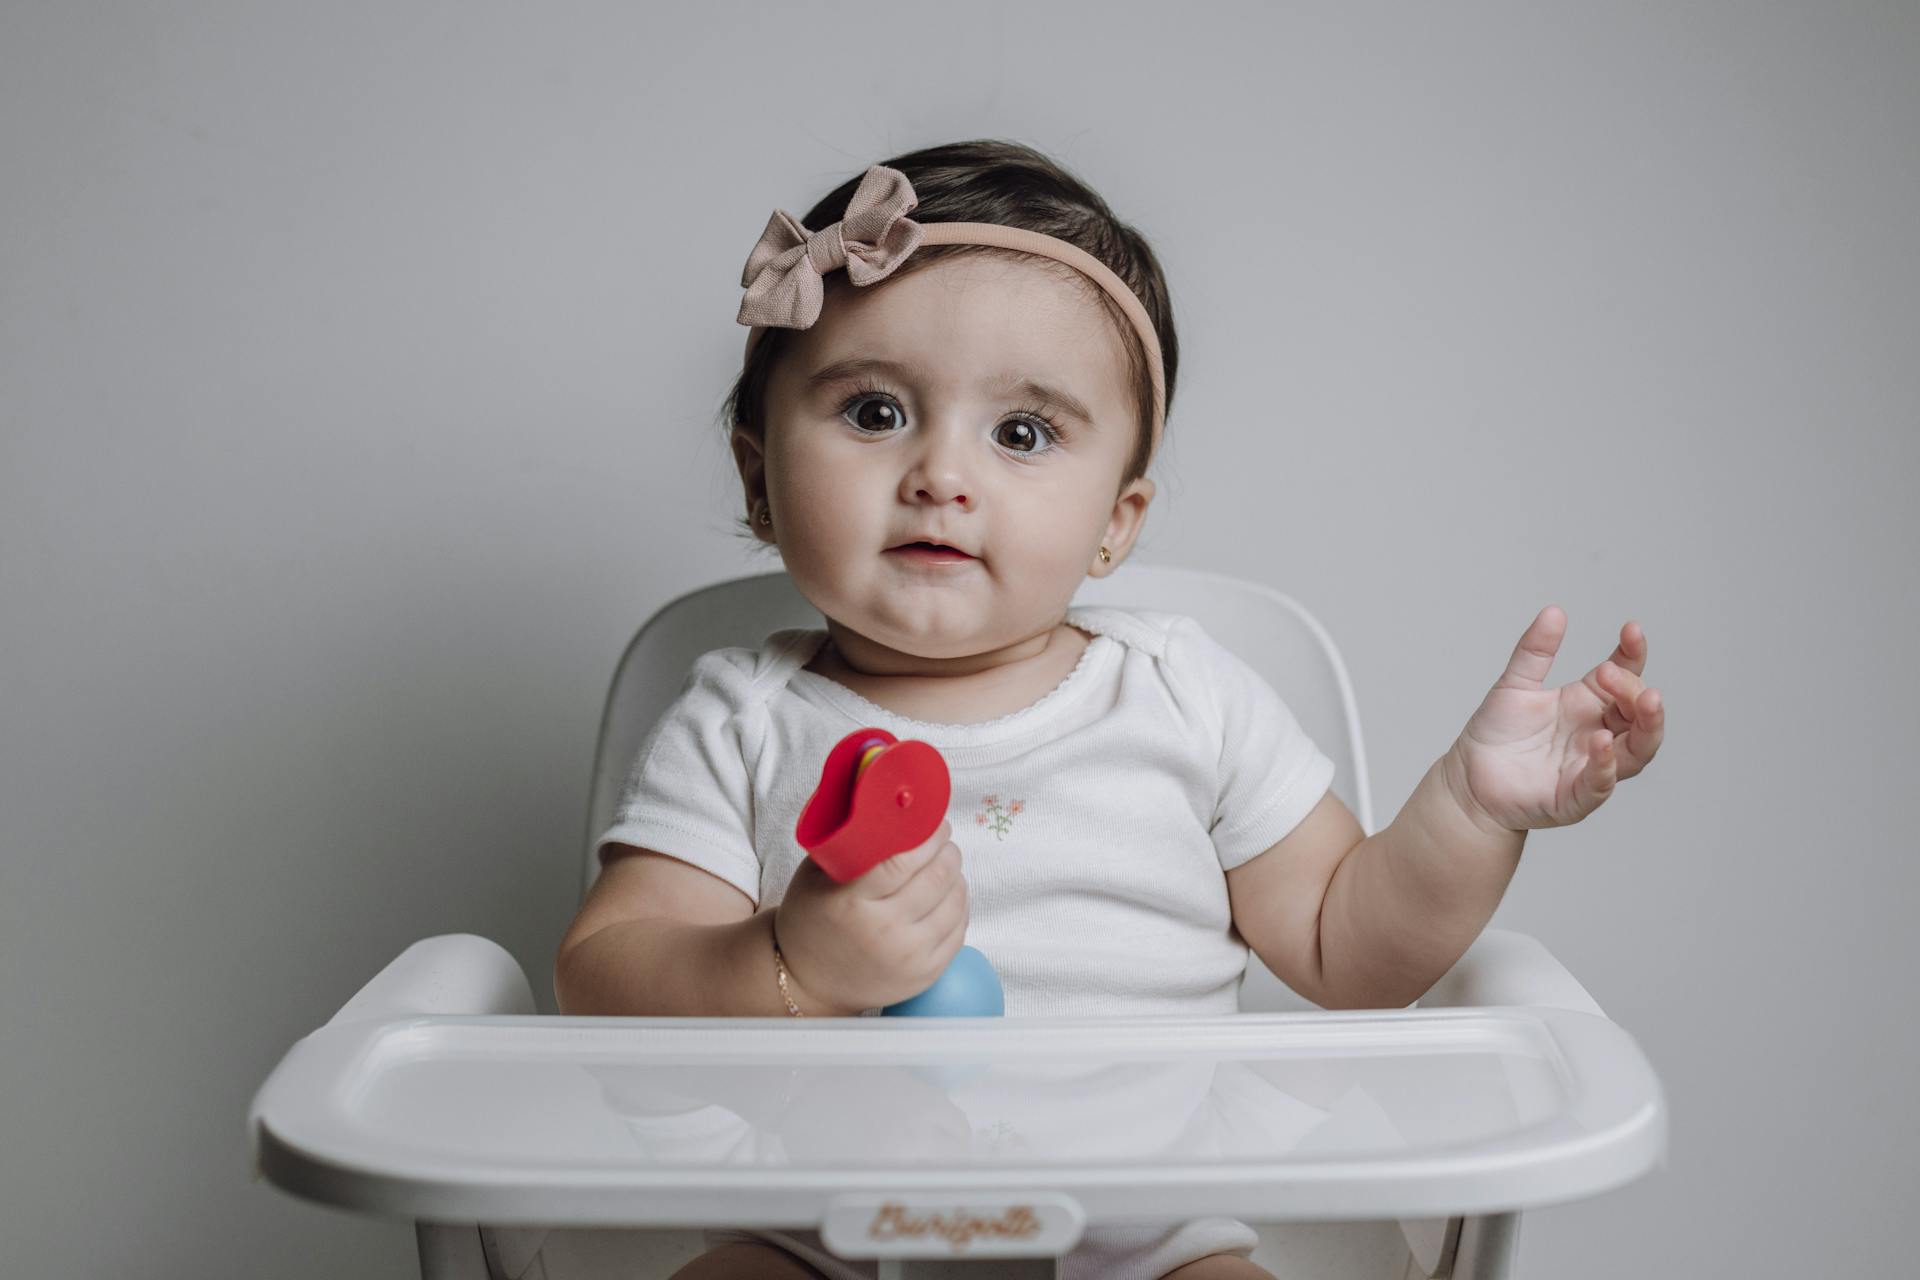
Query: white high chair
x=1386, y=1144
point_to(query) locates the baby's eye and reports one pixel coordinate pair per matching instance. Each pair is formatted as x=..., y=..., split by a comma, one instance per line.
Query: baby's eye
x=1029, y=434
x=876, y=423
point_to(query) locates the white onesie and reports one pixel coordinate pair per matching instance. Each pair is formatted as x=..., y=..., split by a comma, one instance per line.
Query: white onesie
x=1095, y=827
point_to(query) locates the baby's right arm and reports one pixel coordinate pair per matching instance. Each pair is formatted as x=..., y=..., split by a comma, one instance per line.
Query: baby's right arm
x=659, y=937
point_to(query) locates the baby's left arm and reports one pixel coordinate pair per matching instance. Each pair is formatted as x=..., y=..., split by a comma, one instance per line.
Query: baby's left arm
x=1404, y=904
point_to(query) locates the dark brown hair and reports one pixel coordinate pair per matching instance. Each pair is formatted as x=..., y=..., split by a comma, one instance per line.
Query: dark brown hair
x=988, y=180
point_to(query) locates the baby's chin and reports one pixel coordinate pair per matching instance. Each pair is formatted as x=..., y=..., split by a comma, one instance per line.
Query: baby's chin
x=934, y=647
x=967, y=650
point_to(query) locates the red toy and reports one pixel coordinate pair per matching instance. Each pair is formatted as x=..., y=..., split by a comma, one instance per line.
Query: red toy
x=878, y=796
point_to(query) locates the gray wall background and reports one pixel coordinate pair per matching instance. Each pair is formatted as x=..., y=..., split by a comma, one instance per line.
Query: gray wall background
x=357, y=371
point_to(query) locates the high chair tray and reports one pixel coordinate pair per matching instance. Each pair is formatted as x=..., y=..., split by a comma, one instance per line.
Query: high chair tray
x=709, y=1121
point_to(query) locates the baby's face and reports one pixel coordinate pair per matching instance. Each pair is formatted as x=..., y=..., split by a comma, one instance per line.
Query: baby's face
x=937, y=446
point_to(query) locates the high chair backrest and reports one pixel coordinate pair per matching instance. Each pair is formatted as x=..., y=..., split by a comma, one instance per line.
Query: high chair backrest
x=1271, y=632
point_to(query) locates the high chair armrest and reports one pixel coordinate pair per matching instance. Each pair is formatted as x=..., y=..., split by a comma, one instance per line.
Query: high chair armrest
x=454, y=973
x=1506, y=967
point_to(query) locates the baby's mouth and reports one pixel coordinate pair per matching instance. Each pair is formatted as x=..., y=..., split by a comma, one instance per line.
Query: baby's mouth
x=930, y=553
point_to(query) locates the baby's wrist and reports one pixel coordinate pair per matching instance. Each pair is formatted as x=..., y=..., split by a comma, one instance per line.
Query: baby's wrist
x=1453, y=774
x=798, y=1000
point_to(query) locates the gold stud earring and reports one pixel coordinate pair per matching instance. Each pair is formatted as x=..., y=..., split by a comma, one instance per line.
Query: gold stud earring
x=766, y=516
x=1106, y=557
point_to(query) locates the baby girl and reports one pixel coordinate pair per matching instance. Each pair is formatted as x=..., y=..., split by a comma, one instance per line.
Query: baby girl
x=944, y=424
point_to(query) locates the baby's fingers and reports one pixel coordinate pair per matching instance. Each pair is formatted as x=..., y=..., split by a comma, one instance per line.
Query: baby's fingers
x=1631, y=652
x=1596, y=781
x=890, y=875
x=1648, y=730
x=1619, y=690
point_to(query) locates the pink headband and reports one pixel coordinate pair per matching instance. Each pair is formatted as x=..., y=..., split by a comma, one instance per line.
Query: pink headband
x=783, y=273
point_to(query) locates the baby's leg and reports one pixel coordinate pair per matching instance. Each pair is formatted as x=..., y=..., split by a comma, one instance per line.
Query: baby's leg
x=1220, y=1266
x=744, y=1261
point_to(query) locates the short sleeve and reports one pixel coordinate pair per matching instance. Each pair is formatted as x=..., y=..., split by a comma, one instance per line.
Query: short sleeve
x=1270, y=773
x=690, y=794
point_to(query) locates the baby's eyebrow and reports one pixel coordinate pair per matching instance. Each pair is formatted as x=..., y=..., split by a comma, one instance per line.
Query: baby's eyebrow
x=1019, y=384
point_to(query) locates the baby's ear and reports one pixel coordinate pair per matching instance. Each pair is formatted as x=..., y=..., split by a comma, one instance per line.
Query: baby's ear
x=1129, y=514
x=750, y=457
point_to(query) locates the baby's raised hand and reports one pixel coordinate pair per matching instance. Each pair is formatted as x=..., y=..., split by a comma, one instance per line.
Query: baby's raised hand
x=880, y=938
x=1537, y=757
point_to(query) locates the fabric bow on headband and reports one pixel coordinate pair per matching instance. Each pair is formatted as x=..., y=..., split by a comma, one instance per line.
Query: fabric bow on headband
x=783, y=273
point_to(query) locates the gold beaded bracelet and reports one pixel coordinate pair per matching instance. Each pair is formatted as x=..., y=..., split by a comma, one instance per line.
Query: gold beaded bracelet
x=780, y=970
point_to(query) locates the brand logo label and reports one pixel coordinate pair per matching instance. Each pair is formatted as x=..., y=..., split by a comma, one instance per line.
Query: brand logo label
x=944, y=1224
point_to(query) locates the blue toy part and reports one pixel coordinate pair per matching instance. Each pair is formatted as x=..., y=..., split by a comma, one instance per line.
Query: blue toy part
x=968, y=989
